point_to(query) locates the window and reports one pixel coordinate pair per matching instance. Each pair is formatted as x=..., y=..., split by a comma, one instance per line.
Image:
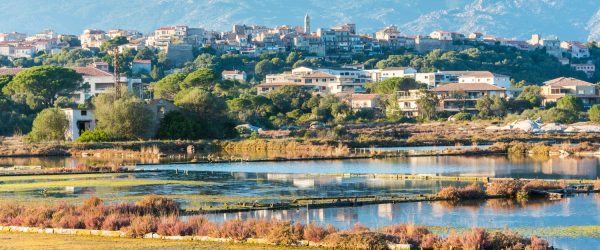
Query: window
x=83, y=112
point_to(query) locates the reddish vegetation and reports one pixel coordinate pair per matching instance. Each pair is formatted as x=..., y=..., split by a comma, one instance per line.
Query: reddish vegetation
x=472, y=191
x=156, y=214
x=507, y=188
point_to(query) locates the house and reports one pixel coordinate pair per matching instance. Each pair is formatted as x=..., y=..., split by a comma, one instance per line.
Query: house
x=563, y=86
x=382, y=74
x=98, y=80
x=141, y=66
x=101, y=66
x=587, y=68
x=576, y=49
x=24, y=52
x=485, y=77
x=446, y=36
x=234, y=75
x=92, y=38
x=318, y=80
x=462, y=97
x=362, y=101
x=80, y=120
x=407, y=102
x=477, y=36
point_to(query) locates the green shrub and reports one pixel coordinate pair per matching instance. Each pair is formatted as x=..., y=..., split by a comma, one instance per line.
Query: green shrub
x=97, y=135
x=462, y=116
x=594, y=113
x=49, y=125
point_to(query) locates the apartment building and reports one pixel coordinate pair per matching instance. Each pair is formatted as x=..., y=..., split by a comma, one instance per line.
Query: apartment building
x=566, y=86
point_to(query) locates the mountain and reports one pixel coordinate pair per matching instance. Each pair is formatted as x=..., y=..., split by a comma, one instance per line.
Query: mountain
x=567, y=19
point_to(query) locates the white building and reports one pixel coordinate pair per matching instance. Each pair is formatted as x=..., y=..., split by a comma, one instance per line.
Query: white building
x=382, y=74
x=92, y=38
x=587, y=68
x=235, y=75
x=80, y=120
x=99, y=81
x=485, y=77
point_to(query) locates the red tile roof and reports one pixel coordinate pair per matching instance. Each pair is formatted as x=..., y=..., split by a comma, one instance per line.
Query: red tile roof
x=467, y=87
x=566, y=81
x=143, y=61
x=482, y=74
x=230, y=72
x=84, y=71
x=89, y=71
x=318, y=74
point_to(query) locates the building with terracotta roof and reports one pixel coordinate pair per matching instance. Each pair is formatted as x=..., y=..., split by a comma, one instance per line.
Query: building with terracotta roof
x=457, y=97
x=361, y=101
x=566, y=86
x=93, y=38
x=98, y=80
x=141, y=66
x=319, y=80
x=234, y=75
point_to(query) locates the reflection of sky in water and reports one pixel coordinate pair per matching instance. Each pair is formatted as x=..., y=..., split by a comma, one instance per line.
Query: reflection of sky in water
x=577, y=210
x=493, y=166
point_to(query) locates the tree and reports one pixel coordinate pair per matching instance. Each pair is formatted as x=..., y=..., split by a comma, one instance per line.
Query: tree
x=39, y=86
x=594, y=113
x=126, y=118
x=210, y=112
x=177, y=125
x=15, y=118
x=559, y=115
x=206, y=60
x=113, y=43
x=391, y=85
x=531, y=94
x=264, y=67
x=570, y=103
x=427, y=105
x=72, y=40
x=169, y=86
x=49, y=125
x=491, y=106
x=145, y=54
x=203, y=77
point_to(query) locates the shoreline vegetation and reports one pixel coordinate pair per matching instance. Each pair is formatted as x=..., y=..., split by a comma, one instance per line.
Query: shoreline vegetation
x=159, y=217
x=280, y=149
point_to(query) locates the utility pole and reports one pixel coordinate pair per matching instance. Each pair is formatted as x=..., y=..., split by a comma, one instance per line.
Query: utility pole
x=116, y=73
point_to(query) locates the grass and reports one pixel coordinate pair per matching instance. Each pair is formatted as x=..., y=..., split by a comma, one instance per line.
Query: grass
x=96, y=183
x=55, y=241
x=592, y=231
x=59, y=176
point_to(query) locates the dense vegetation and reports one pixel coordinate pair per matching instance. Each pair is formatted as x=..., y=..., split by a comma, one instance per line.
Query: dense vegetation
x=210, y=107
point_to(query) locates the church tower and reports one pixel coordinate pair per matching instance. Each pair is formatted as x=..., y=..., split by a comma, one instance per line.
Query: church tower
x=306, y=24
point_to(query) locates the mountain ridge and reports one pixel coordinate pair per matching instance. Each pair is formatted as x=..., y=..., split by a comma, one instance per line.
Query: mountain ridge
x=567, y=19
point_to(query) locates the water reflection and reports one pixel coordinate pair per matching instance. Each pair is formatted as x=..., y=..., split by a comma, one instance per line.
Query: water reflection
x=491, y=166
x=575, y=210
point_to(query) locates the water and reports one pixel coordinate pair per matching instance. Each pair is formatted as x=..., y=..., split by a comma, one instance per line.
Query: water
x=490, y=166
x=425, y=148
x=281, y=181
x=577, y=210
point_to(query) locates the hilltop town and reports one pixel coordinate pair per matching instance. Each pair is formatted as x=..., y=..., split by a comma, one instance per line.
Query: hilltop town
x=194, y=83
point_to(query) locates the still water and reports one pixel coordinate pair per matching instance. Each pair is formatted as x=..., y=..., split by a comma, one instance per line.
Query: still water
x=491, y=166
x=576, y=210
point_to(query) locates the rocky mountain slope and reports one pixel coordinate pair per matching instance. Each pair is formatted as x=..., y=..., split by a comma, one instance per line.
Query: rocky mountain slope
x=567, y=19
